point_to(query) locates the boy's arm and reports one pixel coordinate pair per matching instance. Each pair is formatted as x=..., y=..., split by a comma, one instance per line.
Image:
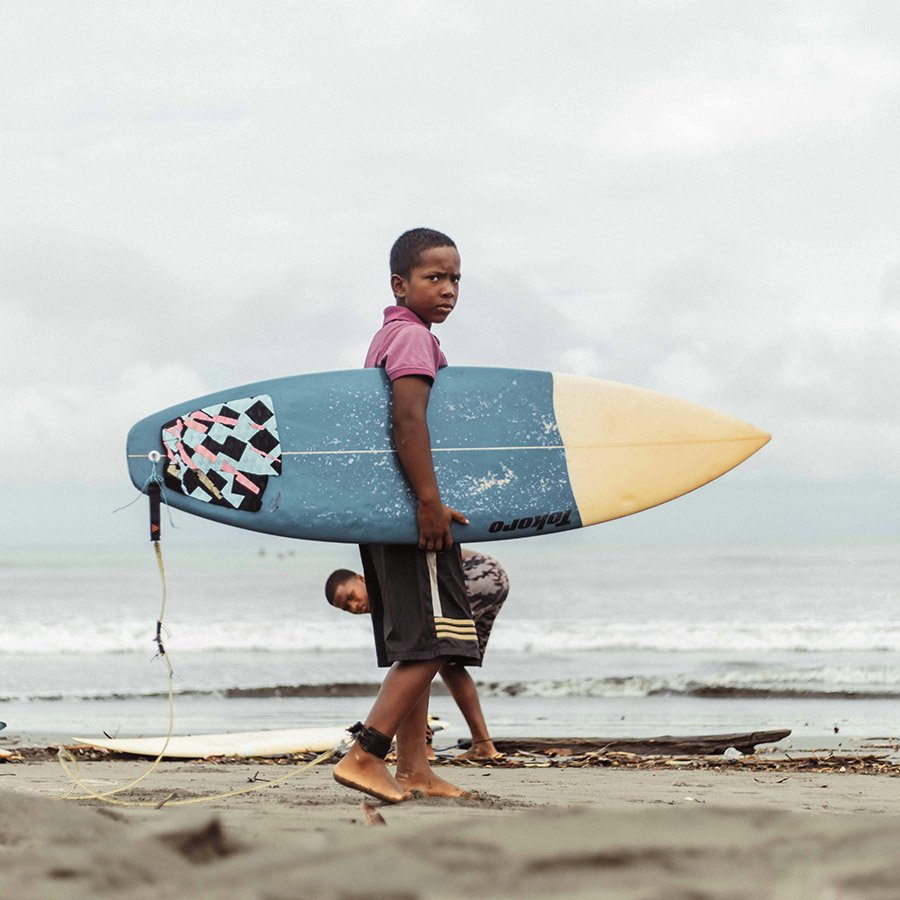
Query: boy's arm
x=413, y=442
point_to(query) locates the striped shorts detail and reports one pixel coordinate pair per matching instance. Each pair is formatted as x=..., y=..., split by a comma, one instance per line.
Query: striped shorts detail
x=464, y=629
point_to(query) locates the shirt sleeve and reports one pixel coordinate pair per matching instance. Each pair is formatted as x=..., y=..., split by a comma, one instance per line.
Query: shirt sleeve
x=413, y=351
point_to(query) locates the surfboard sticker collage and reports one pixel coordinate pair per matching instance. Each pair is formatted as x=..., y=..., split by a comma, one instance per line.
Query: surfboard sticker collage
x=224, y=454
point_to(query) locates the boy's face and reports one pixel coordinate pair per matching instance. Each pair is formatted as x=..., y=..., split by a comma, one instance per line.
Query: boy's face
x=432, y=289
x=352, y=596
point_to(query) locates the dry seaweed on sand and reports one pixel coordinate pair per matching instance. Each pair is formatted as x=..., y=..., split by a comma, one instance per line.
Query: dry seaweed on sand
x=830, y=763
x=824, y=762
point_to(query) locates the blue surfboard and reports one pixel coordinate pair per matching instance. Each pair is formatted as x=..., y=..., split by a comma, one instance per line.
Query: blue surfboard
x=519, y=452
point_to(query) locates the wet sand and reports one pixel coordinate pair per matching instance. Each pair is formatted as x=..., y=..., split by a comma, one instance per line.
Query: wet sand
x=613, y=832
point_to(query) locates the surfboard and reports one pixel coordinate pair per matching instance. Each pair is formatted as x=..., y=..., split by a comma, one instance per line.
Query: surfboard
x=236, y=743
x=242, y=744
x=519, y=452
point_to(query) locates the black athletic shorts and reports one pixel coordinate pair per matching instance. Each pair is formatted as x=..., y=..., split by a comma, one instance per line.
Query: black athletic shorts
x=420, y=609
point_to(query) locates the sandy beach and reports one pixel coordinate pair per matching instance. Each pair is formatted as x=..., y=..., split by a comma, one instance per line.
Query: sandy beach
x=645, y=347
x=679, y=829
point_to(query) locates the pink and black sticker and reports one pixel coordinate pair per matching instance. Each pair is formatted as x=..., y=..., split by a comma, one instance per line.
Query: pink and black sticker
x=224, y=454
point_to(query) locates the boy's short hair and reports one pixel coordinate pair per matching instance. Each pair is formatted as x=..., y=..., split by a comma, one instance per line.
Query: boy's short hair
x=409, y=247
x=335, y=580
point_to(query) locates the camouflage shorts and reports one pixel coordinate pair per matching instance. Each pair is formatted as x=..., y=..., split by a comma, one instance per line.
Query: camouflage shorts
x=487, y=586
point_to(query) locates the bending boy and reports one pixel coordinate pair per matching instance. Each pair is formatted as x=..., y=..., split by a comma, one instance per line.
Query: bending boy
x=487, y=586
x=420, y=612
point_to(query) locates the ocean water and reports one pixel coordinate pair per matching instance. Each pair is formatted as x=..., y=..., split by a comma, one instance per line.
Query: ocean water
x=594, y=640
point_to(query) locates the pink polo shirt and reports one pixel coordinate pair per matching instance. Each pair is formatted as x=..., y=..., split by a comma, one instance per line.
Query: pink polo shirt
x=404, y=345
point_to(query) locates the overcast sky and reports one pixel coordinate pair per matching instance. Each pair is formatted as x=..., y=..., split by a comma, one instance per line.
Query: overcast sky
x=697, y=197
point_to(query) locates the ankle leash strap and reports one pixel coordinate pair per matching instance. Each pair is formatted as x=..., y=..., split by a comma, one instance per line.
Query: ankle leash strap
x=371, y=740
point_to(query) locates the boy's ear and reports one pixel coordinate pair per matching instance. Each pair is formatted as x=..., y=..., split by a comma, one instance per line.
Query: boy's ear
x=398, y=286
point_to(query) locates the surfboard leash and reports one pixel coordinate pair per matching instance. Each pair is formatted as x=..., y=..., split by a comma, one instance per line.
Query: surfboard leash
x=69, y=763
x=71, y=768
x=153, y=487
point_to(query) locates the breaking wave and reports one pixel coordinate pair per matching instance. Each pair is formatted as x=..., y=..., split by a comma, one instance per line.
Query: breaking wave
x=838, y=683
x=268, y=635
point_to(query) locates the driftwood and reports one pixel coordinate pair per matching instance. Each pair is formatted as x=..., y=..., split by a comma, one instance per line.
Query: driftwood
x=666, y=745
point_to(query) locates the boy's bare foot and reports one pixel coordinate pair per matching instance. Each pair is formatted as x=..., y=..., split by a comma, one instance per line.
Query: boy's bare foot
x=424, y=781
x=367, y=773
x=479, y=753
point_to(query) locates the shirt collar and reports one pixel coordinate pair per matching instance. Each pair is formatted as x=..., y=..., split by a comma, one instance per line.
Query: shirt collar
x=402, y=314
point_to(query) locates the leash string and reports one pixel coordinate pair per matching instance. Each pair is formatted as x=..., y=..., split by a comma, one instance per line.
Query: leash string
x=68, y=762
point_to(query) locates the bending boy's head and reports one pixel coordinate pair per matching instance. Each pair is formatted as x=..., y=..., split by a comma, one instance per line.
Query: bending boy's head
x=346, y=590
x=409, y=247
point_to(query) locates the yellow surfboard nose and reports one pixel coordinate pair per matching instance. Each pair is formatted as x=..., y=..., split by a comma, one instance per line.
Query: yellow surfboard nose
x=628, y=448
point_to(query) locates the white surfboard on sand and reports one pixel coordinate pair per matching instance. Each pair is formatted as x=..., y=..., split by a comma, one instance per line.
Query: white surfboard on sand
x=235, y=743
x=242, y=744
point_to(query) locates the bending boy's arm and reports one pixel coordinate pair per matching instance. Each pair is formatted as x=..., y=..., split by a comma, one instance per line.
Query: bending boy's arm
x=413, y=443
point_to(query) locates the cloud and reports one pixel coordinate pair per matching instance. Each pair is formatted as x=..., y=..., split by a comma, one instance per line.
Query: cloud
x=684, y=374
x=695, y=198
x=891, y=283
x=68, y=421
x=795, y=88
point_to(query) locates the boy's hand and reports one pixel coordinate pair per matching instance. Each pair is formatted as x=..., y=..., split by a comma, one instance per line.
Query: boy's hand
x=434, y=525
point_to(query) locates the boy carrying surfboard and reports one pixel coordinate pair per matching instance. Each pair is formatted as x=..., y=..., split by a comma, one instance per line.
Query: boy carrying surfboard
x=421, y=617
x=487, y=586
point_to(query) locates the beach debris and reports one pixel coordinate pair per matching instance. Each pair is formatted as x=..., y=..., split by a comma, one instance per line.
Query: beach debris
x=165, y=800
x=373, y=817
x=822, y=761
x=891, y=744
x=732, y=753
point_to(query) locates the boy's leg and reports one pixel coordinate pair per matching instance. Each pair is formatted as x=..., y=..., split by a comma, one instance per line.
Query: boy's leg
x=419, y=609
x=404, y=685
x=462, y=688
x=413, y=770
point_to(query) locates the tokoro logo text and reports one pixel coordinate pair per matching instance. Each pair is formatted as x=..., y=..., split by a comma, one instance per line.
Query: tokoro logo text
x=556, y=519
